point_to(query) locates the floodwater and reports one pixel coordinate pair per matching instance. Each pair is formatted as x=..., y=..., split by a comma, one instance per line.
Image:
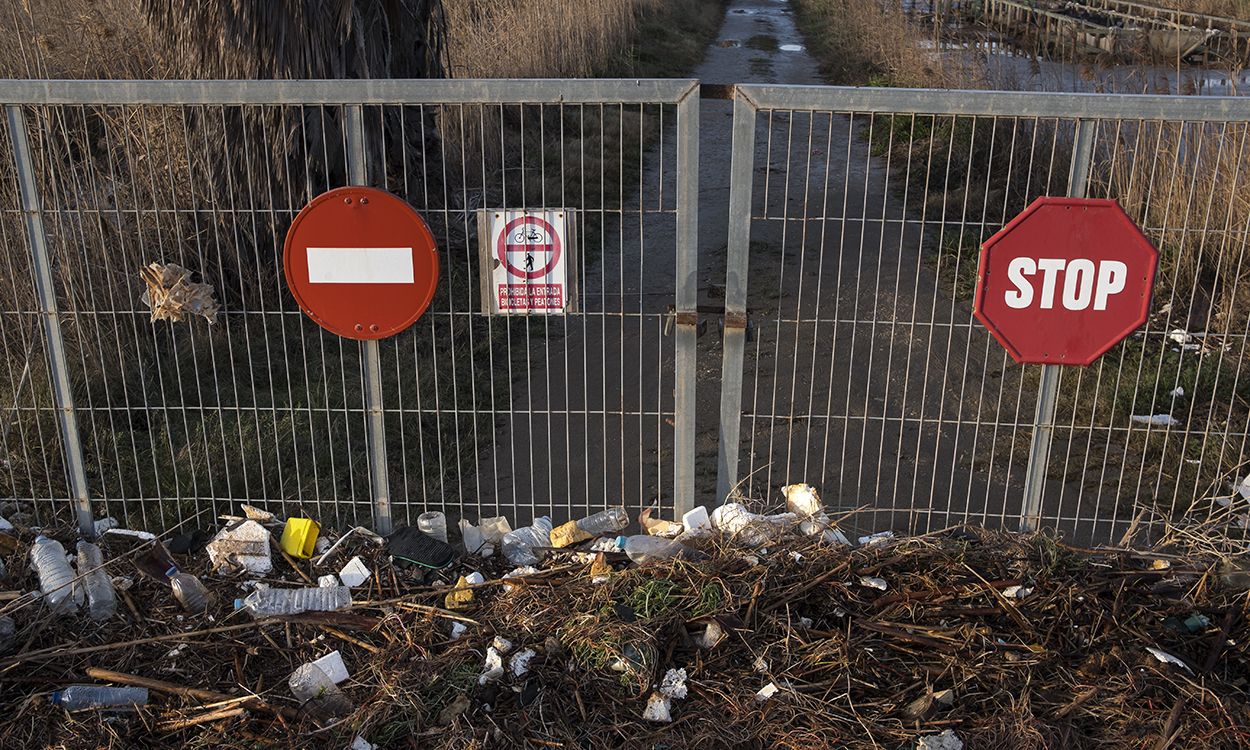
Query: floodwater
x=1009, y=66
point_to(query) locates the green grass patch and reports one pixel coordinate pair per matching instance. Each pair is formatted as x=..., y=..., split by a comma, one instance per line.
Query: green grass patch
x=653, y=598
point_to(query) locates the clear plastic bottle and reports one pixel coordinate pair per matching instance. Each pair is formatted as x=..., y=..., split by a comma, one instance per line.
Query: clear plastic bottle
x=80, y=697
x=642, y=548
x=434, y=524
x=188, y=590
x=101, y=599
x=474, y=540
x=267, y=602
x=604, y=522
x=314, y=688
x=518, y=545
x=56, y=577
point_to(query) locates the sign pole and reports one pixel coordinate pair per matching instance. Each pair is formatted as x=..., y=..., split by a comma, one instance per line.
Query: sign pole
x=1048, y=386
x=371, y=355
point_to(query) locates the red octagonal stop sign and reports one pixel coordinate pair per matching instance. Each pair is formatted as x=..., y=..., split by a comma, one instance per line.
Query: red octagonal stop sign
x=361, y=263
x=1065, y=281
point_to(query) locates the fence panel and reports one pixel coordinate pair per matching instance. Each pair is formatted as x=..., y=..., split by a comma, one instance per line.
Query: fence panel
x=480, y=415
x=864, y=371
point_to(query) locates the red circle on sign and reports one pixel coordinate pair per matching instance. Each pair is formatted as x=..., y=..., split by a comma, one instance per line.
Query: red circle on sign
x=507, y=241
x=361, y=262
x=1065, y=281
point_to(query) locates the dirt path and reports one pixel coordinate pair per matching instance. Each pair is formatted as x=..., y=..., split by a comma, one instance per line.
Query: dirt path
x=859, y=372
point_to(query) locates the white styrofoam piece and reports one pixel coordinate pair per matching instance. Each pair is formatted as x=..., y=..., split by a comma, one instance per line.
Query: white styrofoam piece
x=354, y=573
x=332, y=664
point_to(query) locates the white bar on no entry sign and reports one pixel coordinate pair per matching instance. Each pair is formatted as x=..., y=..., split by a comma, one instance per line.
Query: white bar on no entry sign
x=360, y=265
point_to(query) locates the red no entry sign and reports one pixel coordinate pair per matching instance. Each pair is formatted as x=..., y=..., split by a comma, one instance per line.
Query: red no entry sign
x=361, y=263
x=1065, y=281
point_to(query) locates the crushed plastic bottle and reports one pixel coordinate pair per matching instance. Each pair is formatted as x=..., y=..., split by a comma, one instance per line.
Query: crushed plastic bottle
x=101, y=599
x=494, y=529
x=56, y=577
x=750, y=529
x=604, y=522
x=188, y=590
x=82, y=697
x=434, y=524
x=318, y=693
x=267, y=602
x=518, y=546
x=642, y=548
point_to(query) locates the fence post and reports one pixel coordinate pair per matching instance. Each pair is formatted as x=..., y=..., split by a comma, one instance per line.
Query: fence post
x=41, y=268
x=371, y=355
x=687, y=299
x=1048, y=387
x=741, y=175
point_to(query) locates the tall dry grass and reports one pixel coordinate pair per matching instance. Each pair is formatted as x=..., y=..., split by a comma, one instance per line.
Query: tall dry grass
x=870, y=42
x=539, y=38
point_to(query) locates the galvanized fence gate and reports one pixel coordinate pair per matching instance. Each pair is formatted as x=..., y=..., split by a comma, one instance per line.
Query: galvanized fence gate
x=857, y=216
x=158, y=423
x=850, y=356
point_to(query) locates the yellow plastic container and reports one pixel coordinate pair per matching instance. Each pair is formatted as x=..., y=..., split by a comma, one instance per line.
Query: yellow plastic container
x=299, y=538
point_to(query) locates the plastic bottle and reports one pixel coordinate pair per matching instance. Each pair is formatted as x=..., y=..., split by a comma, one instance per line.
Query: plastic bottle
x=314, y=688
x=604, y=522
x=79, y=697
x=494, y=529
x=474, y=541
x=267, y=602
x=751, y=529
x=434, y=524
x=188, y=590
x=642, y=548
x=518, y=545
x=101, y=599
x=56, y=577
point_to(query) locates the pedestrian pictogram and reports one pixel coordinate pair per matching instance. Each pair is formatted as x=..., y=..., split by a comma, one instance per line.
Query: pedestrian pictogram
x=1065, y=281
x=526, y=262
x=361, y=263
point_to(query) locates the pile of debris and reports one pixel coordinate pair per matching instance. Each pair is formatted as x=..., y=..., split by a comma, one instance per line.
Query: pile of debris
x=730, y=628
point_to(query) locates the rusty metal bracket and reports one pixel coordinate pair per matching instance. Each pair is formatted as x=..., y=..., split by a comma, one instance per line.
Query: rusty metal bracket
x=736, y=320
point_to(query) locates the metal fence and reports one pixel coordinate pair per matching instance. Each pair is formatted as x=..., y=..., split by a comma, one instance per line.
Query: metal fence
x=857, y=216
x=850, y=358
x=163, y=422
